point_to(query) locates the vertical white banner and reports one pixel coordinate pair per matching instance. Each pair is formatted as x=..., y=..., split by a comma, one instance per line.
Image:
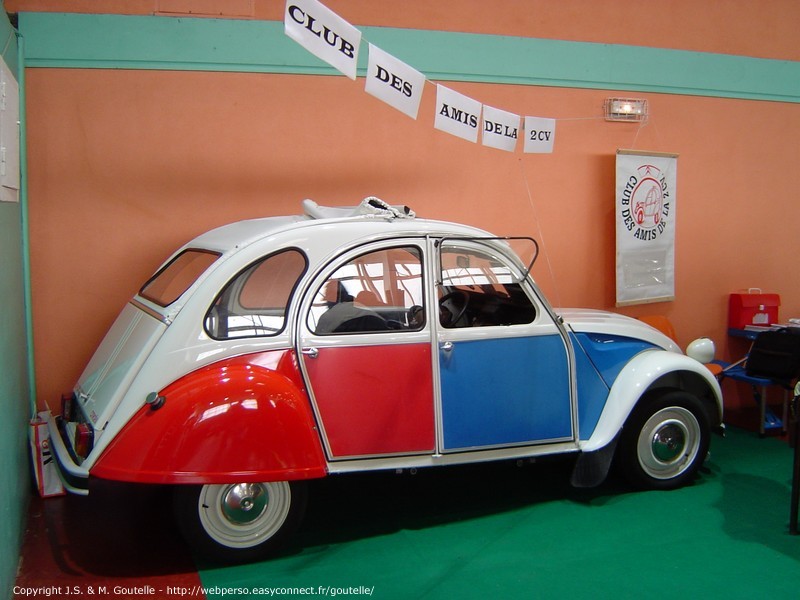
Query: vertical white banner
x=394, y=82
x=323, y=33
x=9, y=136
x=500, y=129
x=540, y=135
x=645, y=224
x=457, y=114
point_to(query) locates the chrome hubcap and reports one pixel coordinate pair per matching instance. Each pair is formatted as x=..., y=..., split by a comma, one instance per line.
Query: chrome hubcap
x=244, y=502
x=669, y=442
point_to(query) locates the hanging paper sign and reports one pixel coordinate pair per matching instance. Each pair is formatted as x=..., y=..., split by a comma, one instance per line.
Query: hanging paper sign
x=323, y=33
x=457, y=114
x=540, y=135
x=329, y=37
x=645, y=218
x=500, y=129
x=394, y=82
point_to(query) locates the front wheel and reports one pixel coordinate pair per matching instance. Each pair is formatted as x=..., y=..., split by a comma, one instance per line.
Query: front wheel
x=239, y=522
x=664, y=442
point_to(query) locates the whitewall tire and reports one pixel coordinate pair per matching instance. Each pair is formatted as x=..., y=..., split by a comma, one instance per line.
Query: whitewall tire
x=239, y=522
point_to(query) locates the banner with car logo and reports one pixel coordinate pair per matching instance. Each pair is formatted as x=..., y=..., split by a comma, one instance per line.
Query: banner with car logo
x=645, y=224
x=332, y=39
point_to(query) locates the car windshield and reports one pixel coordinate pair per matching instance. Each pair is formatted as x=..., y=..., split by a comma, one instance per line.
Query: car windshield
x=172, y=280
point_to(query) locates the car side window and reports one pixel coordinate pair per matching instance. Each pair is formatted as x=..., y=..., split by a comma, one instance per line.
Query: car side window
x=480, y=290
x=375, y=292
x=255, y=302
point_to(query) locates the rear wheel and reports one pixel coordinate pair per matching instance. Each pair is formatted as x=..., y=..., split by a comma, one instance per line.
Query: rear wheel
x=239, y=522
x=664, y=442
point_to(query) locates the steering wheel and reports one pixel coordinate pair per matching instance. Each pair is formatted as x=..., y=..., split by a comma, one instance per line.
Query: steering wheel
x=453, y=304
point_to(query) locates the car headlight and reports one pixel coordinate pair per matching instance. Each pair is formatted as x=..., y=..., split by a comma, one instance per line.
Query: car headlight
x=702, y=350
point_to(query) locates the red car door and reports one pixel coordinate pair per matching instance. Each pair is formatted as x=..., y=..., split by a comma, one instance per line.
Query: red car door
x=365, y=344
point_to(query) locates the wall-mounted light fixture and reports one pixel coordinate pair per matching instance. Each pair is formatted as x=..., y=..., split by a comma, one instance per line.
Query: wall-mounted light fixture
x=625, y=109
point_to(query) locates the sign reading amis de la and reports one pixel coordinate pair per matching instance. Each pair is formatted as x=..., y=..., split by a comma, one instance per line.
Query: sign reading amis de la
x=457, y=114
x=500, y=128
x=645, y=223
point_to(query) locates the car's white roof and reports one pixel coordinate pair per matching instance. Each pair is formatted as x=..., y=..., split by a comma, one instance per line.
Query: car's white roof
x=243, y=233
x=236, y=236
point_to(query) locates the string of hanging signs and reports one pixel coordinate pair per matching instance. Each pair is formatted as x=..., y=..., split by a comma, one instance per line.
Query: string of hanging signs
x=332, y=39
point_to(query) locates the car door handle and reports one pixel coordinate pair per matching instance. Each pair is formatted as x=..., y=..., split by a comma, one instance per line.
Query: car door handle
x=310, y=352
x=447, y=346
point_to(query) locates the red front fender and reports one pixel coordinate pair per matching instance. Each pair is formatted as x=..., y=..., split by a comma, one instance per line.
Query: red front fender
x=243, y=419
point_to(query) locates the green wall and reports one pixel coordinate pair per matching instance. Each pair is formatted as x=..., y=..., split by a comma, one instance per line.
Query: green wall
x=14, y=390
x=63, y=40
x=14, y=474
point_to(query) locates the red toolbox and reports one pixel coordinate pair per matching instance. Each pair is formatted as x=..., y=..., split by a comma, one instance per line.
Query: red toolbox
x=752, y=307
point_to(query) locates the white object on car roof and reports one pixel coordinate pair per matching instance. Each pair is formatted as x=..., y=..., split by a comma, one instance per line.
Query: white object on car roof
x=370, y=206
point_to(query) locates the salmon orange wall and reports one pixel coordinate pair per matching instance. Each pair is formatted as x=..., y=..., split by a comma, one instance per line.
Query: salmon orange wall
x=126, y=165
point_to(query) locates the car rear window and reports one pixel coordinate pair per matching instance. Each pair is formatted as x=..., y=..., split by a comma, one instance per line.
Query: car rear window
x=172, y=280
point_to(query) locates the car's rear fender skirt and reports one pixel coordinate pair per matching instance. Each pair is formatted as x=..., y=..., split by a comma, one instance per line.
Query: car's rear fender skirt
x=246, y=419
x=647, y=371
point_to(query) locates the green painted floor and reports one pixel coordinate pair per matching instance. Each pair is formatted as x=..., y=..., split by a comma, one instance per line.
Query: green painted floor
x=502, y=531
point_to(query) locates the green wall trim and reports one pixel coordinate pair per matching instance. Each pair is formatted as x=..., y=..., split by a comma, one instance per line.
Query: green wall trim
x=14, y=375
x=147, y=42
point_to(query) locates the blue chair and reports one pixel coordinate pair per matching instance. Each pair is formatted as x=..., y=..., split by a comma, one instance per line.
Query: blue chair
x=773, y=360
x=769, y=421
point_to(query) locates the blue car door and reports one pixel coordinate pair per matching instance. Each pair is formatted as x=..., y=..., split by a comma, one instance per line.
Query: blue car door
x=504, y=377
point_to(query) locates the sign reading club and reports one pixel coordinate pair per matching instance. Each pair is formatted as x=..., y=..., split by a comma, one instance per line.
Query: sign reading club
x=329, y=36
x=323, y=33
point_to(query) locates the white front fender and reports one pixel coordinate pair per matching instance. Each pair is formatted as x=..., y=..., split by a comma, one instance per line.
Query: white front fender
x=645, y=371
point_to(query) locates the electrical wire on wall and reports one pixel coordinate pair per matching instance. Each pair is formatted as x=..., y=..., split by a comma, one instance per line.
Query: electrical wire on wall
x=540, y=236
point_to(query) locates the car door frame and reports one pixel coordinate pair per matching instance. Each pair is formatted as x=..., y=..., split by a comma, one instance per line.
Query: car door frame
x=442, y=335
x=310, y=345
